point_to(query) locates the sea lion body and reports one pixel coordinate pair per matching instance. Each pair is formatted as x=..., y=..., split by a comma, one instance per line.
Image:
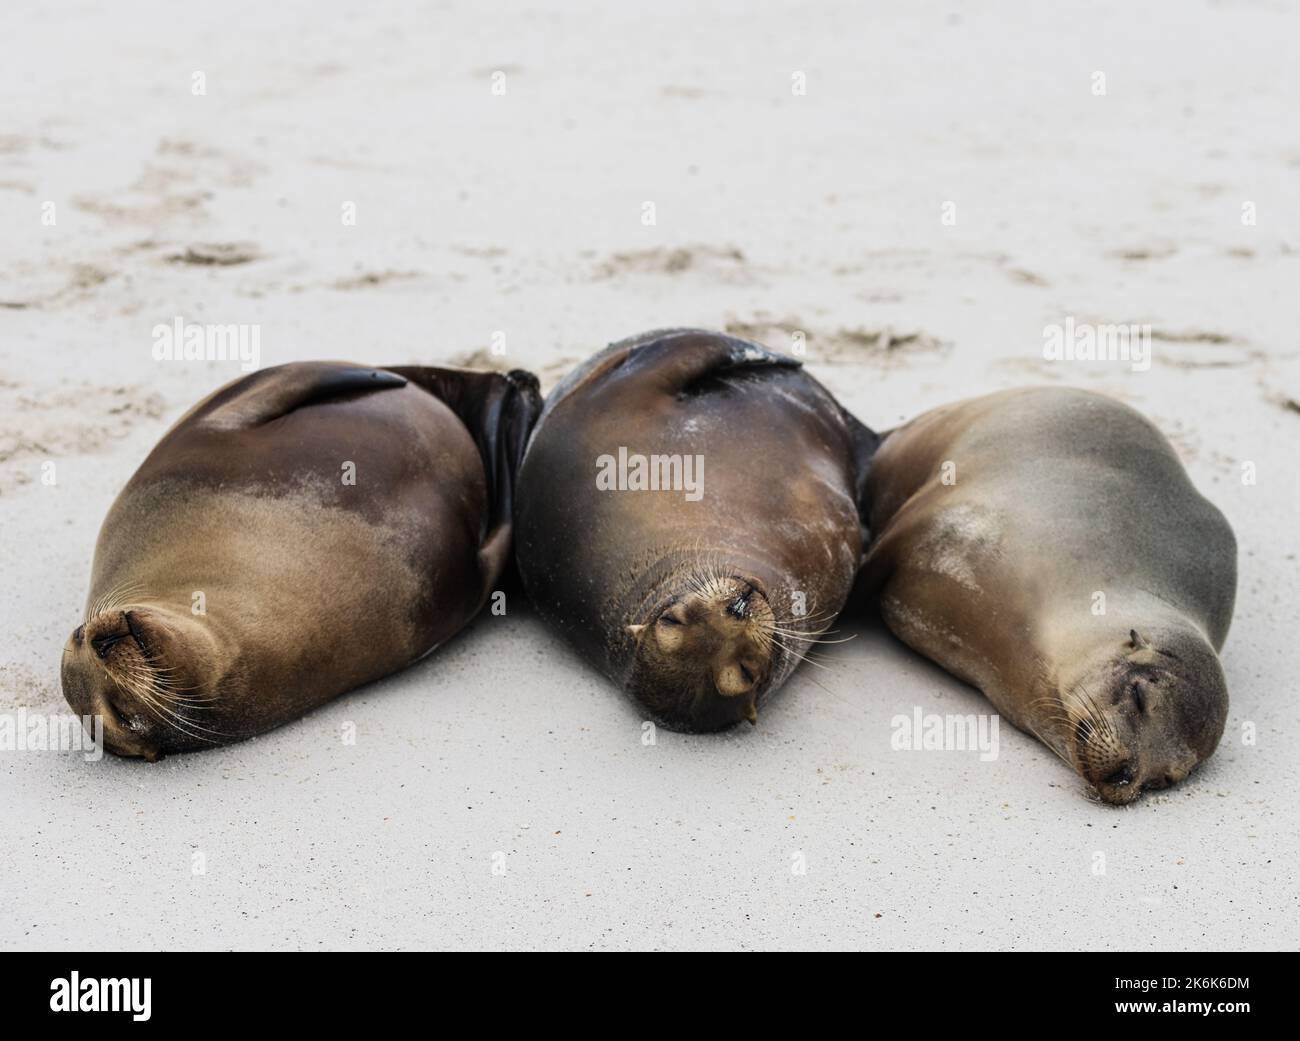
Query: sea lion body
x=300, y=532
x=699, y=602
x=1047, y=546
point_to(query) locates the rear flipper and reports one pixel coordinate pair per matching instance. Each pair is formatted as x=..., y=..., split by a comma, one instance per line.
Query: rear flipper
x=677, y=358
x=271, y=393
x=499, y=410
x=681, y=358
x=865, y=443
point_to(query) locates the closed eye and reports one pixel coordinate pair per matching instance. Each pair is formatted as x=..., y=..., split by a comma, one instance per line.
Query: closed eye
x=1135, y=692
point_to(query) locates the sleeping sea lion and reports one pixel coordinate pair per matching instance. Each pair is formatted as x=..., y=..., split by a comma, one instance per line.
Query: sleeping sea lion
x=1046, y=546
x=689, y=517
x=303, y=530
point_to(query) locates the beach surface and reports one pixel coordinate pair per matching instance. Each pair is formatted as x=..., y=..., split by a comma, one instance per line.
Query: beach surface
x=908, y=194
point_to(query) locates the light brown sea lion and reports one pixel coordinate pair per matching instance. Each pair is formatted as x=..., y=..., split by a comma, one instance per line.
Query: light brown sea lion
x=302, y=531
x=700, y=592
x=1046, y=546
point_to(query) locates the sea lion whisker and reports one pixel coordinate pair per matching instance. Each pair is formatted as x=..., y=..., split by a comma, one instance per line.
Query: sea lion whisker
x=180, y=726
x=800, y=657
x=803, y=626
x=151, y=684
x=1051, y=743
x=177, y=721
x=180, y=696
x=805, y=621
x=814, y=638
x=1056, y=711
x=1097, y=714
x=833, y=693
x=115, y=595
x=184, y=703
x=185, y=700
x=1098, y=726
x=92, y=609
x=810, y=639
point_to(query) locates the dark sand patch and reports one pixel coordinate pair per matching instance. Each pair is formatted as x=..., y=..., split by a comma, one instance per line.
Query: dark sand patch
x=485, y=252
x=50, y=423
x=1026, y=277
x=177, y=186
x=370, y=279
x=1201, y=349
x=846, y=345
x=1141, y=253
x=216, y=254
x=726, y=262
x=1193, y=336
x=484, y=360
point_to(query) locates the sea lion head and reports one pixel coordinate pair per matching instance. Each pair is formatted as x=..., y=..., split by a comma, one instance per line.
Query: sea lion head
x=1147, y=715
x=704, y=656
x=149, y=672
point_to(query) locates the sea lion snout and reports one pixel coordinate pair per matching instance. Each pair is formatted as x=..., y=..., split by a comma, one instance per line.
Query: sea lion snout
x=1123, y=752
x=1123, y=781
x=122, y=735
x=1159, y=710
x=137, y=670
x=703, y=660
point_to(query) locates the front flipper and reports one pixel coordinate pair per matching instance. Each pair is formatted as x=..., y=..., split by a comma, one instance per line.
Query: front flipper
x=675, y=358
x=680, y=358
x=277, y=391
x=499, y=411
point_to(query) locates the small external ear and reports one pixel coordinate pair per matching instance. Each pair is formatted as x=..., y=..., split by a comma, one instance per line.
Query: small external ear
x=635, y=631
x=1139, y=643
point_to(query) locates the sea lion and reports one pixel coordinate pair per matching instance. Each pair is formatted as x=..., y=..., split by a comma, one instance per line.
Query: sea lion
x=301, y=531
x=689, y=517
x=1046, y=546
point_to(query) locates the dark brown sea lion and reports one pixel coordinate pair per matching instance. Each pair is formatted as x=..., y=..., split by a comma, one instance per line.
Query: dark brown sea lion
x=688, y=516
x=302, y=531
x=1047, y=546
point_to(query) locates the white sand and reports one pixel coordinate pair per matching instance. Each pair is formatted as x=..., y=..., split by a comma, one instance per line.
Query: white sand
x=522, y=213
